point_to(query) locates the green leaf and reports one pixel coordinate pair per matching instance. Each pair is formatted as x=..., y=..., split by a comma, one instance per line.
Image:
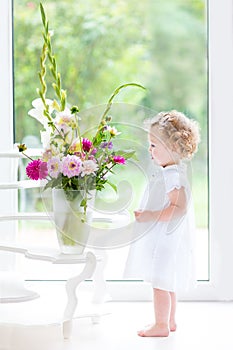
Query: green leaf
x=45, y=39
x=56, y=105
x=63, y=99
x=59, y=80
x=126, y=153
x=43, y=16
x=58, y=137
x=54, y=183
x=83, y=203
x=54, y=85
x=48, y=185
x=47, y=29
x=53, y=114
x=112, y=185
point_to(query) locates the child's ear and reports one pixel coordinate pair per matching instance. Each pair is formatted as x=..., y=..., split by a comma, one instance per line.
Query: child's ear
x=174, y=148
x=175, y=152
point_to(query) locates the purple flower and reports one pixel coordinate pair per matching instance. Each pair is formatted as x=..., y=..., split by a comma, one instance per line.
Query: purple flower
x=91, y=157
x=106, y=144
x=80, y=155
x=71, y=166
x=87, y=144
x=37, y=169
x=54, y=167
x=94, y=151
x=119, y=159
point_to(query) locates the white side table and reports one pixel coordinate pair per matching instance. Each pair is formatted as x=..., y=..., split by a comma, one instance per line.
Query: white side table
x=14, y=291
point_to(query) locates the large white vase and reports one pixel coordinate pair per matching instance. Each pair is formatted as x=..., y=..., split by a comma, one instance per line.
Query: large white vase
x=72, y=225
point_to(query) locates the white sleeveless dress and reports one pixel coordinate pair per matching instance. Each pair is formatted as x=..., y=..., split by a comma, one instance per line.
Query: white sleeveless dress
x=162, y=252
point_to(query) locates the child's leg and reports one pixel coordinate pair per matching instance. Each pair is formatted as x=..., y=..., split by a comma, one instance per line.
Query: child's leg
x=162, y=307
x=172, y=321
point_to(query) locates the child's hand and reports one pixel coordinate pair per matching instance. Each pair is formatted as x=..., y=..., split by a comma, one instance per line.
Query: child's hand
x=143, y=215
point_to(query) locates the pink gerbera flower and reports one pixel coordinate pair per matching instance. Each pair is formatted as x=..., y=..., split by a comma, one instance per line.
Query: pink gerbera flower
x=87, y=144
x=119, y=159
x=71, y=166
x=37, y=169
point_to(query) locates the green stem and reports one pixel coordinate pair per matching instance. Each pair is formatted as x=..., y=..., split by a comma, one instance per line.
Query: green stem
x=108, y=170
x=48, y=52
x=116, y=92
x=85, y=193
x=109, y=104
x=79, y=134
x=27, y=156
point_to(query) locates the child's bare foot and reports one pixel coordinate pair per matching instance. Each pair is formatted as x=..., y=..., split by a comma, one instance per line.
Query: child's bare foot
x=172, y=326
x=155, y=330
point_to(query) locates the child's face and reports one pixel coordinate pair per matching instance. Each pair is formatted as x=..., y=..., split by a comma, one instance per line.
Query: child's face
x=160, y=152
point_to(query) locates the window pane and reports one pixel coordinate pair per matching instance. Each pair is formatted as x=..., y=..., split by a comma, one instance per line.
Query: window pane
x=100, y=45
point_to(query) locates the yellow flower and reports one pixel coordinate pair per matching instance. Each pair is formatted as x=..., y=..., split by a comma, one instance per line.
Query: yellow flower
x=75, y=146
x=22, y=147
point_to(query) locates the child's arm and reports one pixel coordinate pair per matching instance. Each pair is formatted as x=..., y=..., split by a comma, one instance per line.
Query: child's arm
x=177, y=208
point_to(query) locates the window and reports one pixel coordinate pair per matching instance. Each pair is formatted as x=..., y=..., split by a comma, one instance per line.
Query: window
x=149, y=42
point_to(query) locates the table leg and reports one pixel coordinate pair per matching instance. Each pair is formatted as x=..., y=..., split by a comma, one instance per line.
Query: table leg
x=71, y=287
x=100, y=287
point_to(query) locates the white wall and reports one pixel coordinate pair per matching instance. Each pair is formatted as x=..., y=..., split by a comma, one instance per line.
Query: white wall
x=221, y=146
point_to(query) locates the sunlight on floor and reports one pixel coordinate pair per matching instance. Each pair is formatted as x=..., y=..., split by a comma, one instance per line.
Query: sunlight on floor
x=201, y=325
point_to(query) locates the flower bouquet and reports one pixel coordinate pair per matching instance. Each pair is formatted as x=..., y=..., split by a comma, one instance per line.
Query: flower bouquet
x=71, y=162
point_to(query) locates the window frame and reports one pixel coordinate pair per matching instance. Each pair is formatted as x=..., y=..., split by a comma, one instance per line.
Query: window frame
x=8, y=203
x=220, y=52
x=6, y=73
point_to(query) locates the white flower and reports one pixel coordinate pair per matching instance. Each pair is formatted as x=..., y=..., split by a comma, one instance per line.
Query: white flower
x=45, y=138
x=64, y=117
x=88, y=167
x=112, y=130
x=38, y=111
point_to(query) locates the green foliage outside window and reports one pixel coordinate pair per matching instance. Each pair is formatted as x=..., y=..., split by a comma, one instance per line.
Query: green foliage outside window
x=102, y=44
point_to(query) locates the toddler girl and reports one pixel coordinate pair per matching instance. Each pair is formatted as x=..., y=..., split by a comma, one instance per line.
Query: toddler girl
x=162, y=254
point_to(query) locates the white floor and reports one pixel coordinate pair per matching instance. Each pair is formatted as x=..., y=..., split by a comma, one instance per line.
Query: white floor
x=201, y=325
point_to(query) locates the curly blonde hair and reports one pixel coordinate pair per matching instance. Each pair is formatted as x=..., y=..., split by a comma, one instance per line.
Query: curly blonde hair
x=180, y=133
